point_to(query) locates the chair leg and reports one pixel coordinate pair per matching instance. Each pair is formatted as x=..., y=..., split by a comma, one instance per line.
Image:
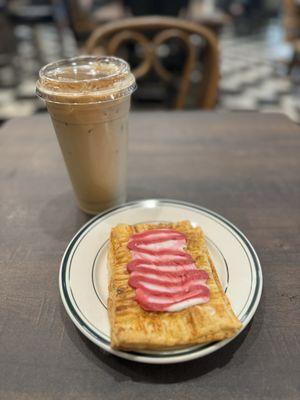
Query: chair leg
x=293, y=61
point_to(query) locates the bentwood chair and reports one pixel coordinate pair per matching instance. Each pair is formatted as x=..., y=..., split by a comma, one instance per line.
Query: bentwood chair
x=152, y=37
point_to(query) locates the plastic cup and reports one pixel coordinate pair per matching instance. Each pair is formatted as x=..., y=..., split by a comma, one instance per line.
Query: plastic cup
x=88, y=99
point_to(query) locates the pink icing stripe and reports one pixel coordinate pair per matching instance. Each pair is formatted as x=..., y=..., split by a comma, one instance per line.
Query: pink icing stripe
x=170, y=291
x=155, y=232
x=168, y=280
x=160, y=262
x=161, y=303
x=140, y=248
x=159, y=238
x=160, y=269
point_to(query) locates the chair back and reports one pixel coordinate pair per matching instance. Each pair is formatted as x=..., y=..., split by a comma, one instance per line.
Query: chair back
x=152, y=34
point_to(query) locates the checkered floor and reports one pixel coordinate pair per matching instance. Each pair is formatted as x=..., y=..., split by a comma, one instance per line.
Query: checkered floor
x=253, y=76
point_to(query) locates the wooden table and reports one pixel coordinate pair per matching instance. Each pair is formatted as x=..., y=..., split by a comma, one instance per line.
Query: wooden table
x=245, y=166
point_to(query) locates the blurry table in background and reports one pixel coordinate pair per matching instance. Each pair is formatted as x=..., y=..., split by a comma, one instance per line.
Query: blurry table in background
x=244, y=166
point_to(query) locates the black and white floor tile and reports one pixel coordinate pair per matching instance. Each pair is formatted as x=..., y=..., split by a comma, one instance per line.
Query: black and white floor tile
x=253, y=75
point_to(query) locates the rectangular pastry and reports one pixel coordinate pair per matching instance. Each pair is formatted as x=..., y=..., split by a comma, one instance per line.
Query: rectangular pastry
x=164, y=291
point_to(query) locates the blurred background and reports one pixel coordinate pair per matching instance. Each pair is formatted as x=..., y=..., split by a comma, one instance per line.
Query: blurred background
x=258, y=44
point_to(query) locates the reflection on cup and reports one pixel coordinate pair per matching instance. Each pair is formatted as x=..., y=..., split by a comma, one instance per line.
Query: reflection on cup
x=88, y=99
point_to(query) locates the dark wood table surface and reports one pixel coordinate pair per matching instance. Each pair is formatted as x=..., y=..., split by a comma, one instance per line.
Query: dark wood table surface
x=245, y=166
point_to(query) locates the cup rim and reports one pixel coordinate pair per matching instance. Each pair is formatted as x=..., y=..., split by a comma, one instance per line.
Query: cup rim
x=125, y=68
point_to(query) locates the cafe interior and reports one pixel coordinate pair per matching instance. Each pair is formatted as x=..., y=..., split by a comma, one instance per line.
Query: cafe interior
x=168, y=268
x=252, y=63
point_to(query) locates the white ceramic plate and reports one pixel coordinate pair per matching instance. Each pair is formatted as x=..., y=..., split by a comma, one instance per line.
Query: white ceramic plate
x=83, y=278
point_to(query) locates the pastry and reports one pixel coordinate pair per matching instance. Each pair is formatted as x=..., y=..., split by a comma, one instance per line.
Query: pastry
x=164, y=291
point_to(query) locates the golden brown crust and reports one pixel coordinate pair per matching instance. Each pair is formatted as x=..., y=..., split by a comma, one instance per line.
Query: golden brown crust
x=133, y=328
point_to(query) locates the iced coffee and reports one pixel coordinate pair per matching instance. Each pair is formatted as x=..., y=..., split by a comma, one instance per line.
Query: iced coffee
x=88, y=99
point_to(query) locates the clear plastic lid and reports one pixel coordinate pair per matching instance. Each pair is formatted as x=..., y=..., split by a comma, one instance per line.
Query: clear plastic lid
x=85, y=79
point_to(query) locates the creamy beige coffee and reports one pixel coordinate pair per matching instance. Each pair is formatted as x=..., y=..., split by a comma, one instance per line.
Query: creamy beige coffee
x=88, y=99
